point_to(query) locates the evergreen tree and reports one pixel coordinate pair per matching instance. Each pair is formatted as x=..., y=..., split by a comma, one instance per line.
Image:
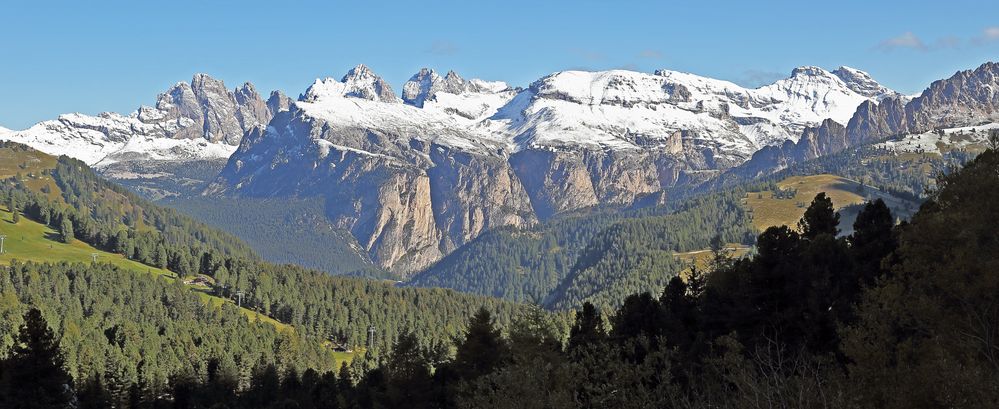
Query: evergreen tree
x=872, y=239
x=408, y=375
x=12, y=206
x=265, y=384
x=928, y=333
x=66, y=230
x=161, y=256
x=91, y=394
x=34, y=376
x=640, y=314
x=720, y=256
x=221, y=276
x=819, y=218
x=482, y=349
x=588, y=328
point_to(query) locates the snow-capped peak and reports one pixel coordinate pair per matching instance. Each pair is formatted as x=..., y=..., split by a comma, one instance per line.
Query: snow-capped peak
x=621, y=108
x=426, y=84
x=197, y=120
x=810, y=71
x=805, y=79
x=862, y=83
x=359, y=82
x=417, y=89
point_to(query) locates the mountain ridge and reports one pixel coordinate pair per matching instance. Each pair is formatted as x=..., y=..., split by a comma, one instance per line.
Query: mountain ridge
x=414, y=178
x=968, y=97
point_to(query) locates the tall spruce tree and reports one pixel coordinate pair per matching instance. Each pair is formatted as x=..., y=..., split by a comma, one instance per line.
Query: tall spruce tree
x=482, y=350
x=819, y=218
x=66, y=230
x=588, y=328
x=34, y=375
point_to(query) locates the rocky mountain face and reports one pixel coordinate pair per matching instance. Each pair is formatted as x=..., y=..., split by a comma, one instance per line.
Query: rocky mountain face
x=863, y=84
x=413, y=178
x=967, y=98
x=190, y=121
x=426, y=84
x=409, y=184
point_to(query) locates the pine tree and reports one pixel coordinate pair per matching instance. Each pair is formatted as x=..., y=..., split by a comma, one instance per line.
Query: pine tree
x=408, y=374
x=819, y=218
x=12, y=206
x=92, y=395
x=161, y=256
x=872, y=239
x=588, y=328
x=221, y=276
x=116, y=383
x=481, y=350
x=34, y=376
x=265, y=383
x=66, y=230
x=720, y=256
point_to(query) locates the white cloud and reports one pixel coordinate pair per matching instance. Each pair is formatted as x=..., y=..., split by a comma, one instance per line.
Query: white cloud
x=906, y=40
x=989, y=34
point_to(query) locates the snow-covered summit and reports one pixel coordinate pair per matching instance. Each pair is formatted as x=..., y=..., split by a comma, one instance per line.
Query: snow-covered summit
x=356, y=107
x=608, y=110
x=862, y=83
x=620, y=109
x=428, y=83
x=466, y=100
x=615, y=109
x=359, y=82
x=197, y=120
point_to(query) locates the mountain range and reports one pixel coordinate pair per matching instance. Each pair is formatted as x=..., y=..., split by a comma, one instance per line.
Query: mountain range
x=414, y=176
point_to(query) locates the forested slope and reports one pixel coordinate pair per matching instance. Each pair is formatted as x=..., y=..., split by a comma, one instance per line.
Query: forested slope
x=599, y=257
x=65, y=194
x=885, y=317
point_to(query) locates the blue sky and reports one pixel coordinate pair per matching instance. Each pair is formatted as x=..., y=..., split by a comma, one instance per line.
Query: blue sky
x=58, y=57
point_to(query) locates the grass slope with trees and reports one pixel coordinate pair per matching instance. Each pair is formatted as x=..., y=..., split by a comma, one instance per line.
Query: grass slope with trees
x=144, y=252
x=884, y=317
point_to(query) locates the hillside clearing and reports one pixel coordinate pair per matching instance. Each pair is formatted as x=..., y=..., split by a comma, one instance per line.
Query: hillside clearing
x=32, y=241
x=787, y=207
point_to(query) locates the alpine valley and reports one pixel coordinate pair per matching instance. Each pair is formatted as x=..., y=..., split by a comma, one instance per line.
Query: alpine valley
x=369, y=181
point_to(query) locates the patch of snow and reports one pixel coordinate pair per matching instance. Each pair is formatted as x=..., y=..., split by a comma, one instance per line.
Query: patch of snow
x=108, y=138
x=930, y=142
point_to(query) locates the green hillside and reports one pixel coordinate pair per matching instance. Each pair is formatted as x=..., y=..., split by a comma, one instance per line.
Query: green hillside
x=29, y=240
x=114, y=221
x=784, y=205
x=32, y=241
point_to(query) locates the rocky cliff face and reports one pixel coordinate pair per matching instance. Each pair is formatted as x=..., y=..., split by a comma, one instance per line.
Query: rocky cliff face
x=210, y=110
x=426, y=84
x=416, y=177
x=863, y=84
x=200, y=120
x=966, y=98
x=408, y=188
